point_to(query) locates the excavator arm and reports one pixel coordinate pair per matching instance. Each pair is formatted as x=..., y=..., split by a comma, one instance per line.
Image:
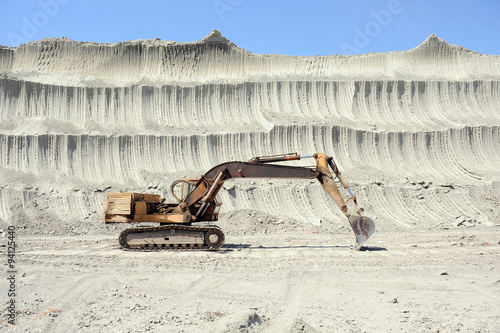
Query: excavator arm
x=207, y=187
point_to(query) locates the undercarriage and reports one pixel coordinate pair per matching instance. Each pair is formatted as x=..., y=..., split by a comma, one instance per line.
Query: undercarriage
x=172, y=237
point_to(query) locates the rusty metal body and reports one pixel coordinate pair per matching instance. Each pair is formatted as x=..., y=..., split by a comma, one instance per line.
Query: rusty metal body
x=200, y=205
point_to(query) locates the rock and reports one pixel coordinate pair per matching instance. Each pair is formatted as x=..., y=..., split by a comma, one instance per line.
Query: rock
x=484, y=220
x=247, y=323
x=301, y=326
x=254, y=319
x=315, y=221
x=444, y=273
x=469, y=223
x=229, y=188
x=459, y=221
x=394, y=300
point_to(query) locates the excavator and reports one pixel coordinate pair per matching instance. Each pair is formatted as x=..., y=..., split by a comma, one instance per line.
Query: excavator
x=197, y=204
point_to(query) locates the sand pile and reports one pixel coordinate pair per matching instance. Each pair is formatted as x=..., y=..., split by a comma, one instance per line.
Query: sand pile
x=415, y=132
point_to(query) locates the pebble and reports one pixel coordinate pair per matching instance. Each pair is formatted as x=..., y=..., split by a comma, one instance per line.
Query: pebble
x=459, y=221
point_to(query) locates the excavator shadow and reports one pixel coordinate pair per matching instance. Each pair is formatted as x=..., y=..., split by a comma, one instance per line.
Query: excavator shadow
x=372, y=248
x=249, y=246
x=235, y=246
x=232, y=247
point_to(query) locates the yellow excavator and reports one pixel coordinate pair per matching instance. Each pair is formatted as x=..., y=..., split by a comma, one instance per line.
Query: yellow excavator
x=197, y=204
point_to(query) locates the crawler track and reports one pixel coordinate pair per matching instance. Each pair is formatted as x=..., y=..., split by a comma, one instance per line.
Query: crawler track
x=172, y=238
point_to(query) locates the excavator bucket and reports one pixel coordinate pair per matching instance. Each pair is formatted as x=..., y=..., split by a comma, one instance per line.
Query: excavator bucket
x=363, y=228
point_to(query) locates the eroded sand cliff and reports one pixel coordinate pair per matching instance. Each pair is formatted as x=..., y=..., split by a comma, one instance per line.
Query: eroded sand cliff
x=415, y=132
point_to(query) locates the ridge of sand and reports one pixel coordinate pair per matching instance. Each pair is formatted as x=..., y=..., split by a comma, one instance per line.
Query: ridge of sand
x=380, y=105
x=214, y=59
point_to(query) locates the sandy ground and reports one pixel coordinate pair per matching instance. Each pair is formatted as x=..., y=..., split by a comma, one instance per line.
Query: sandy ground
x=418, y=281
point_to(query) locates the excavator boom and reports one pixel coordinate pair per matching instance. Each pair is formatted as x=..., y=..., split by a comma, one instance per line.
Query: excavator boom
x=199, y=204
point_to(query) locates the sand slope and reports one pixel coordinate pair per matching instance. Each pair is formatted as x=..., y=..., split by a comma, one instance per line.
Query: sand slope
x=416, y=132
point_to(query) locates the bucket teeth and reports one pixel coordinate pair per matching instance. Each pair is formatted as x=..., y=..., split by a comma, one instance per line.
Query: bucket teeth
x=363, y=228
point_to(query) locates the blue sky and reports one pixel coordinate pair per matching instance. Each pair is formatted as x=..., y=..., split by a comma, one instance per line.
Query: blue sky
x=294, y=27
